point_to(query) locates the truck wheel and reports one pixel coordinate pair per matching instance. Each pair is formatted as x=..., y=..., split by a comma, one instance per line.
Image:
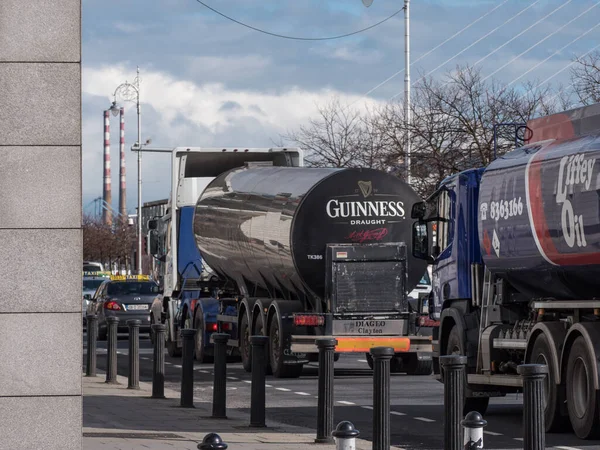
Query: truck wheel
x=279, y=369
x=199, y=349
x=245, y=348
x=171, y=345
x=582, y=398
x=369, y=360
x=259, y=331
x=412, y=365
x=541, y=354
x=456, y=346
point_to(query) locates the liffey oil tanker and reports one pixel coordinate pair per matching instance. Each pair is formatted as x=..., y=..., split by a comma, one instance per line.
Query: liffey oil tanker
x=523, y=287
x=295, y=254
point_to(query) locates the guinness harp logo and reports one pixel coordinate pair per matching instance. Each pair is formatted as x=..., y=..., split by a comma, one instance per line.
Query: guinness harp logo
x=366, y=188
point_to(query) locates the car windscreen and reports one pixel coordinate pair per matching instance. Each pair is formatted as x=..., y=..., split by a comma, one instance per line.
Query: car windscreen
x=91, y=285
x=91, y=268
x=132, y=288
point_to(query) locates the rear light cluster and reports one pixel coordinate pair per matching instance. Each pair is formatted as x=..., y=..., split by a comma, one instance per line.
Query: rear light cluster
x=308, y=320
x=114, y=306
x=215, y=327
x=427, y=322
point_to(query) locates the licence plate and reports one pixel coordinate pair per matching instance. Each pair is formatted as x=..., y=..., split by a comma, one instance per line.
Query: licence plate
x=137, y=307
x=368, y=327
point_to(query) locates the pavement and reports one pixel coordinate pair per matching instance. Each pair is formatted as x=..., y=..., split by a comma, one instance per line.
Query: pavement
x=117, y=418
x=416, y=401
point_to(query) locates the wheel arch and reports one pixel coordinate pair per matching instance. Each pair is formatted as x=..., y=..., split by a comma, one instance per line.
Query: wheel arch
x=591, y=335
x=555, y=334
x=450, y=317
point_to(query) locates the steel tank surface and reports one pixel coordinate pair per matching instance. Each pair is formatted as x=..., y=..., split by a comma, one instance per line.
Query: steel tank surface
x=269, y=226
x=539, y=218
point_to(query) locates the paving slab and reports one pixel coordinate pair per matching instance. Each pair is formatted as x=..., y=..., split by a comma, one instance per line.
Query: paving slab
x=128, y=419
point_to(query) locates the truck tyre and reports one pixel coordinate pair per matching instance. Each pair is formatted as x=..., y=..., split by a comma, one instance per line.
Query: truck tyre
x=582, y=397
x=245, y=348
x=259, y=331
x=541, y=354
x=279, y=369
x=199, y=349
x=369, y=360
x=395, y=363
x=412, y=365
x=171, y=345
x=456, y=346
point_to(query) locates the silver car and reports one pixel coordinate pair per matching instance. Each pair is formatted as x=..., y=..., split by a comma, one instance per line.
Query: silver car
x=125, y=298
x=90, y=285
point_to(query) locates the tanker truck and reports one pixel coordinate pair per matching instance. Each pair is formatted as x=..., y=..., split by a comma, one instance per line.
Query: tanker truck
x=296, y=254
x=515, y=263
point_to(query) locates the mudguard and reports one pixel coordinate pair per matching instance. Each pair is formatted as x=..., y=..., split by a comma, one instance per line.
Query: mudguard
x=555, y=333
x=283, y=312
x=591, y=334
x=448, y=315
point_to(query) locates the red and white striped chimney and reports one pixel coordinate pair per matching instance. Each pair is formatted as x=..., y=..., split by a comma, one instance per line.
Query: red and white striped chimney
x=107, y=193
x=122, y=185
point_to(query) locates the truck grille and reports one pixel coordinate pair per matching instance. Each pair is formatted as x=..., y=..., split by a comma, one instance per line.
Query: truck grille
x=368, y=286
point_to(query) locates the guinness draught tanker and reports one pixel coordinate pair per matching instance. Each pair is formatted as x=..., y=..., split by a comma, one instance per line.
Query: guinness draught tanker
x=316, y=252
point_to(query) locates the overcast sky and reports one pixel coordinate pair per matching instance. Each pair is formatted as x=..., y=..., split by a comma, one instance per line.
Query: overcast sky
x=207, y=81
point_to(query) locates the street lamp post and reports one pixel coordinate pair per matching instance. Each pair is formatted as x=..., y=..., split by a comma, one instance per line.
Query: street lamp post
x=131, y=92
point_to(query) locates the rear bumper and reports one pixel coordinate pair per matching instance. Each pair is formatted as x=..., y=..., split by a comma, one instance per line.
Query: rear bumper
x=362, y=344
x=143, y=317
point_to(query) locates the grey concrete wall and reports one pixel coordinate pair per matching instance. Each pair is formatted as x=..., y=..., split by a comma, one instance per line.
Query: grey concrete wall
x=40, y=225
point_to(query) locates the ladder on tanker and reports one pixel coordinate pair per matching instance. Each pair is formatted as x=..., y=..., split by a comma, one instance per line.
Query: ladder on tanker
x=487, y=299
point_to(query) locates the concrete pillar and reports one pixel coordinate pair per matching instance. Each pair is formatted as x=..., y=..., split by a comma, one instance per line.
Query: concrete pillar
x=40, y=225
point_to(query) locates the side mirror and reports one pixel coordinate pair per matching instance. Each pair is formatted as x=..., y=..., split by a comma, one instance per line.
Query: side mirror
x=152, y=240
x=87, y=296
x=418, y=210
x=420, y=241
x=153, y=224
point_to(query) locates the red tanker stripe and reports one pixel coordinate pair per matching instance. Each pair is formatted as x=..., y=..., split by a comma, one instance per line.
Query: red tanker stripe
x=541, y=224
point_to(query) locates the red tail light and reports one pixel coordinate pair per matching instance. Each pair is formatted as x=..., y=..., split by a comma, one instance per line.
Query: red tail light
x=114, y=306
x=212, y=327
x=306, y=320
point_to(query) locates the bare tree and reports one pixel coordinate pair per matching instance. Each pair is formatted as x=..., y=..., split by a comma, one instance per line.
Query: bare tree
x=105, y=243
x=585, y=76
x=340, y=137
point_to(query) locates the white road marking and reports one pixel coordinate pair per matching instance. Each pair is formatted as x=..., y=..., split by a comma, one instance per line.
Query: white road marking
x=493, y=433
x=366, y=407
x=268, y=385
x=344, y=402
x=283, y=389
x=167, y=362
x=362, y=360
x=568, y=448
x=247, y=381
x=177, y=365
x=518, y=439
x=424, y=419
x=232, y=378
x=301, y=393
x=396, y=413
x=202, y=371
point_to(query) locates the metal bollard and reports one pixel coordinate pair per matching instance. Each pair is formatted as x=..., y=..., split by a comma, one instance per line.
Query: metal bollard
x=345, y=436
x=111, y=350
x=534, y=434
x=187, y=368
x=134, y=354
x=381, y=397
x=454, y=367
x=92, y=338
x=473, y=425
x=257, y=398
x=212, y=441
x=325, y=402
x=158, y=363
x=219, y=410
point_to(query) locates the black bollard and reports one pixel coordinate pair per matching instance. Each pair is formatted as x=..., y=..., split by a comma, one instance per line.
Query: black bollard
x=473, y=425
x=219, y=410
x=325, y=402
x=382, y=357
x=257, y=397
x=454, y=367
x=187, y=368
x=158, y=363
x=212, y=441
x=534, y=434
x=111, y=350
x=345, y=436
x=92, y=338
x=134, y=354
